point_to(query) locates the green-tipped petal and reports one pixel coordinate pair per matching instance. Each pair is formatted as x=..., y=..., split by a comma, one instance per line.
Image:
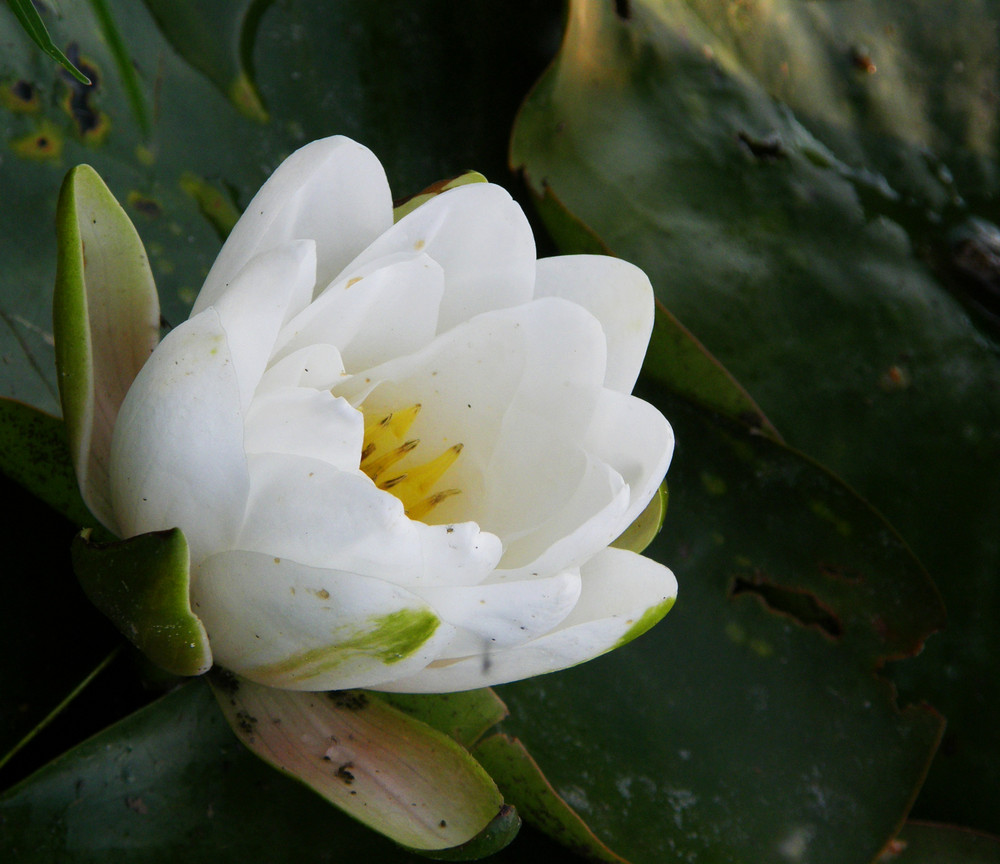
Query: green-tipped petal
x=383, y=767
x=141, y=584
x=106, y=319
x=408, y=205
x=643, y=531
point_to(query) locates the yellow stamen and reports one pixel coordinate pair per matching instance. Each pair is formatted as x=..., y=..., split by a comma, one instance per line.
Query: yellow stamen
x=383, y=447
x=374, y=467
x=425, y=505
x=416, y=482
x=385, y=433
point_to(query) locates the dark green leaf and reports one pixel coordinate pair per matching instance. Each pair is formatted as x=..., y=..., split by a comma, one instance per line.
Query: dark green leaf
x=405, y=79
x=172, y=783
x=522, y=781
x=33, y=25
x=755, y=722
x=34, y=453
x=921, y=843
x=50, y=635
x=812, y=188
x=216, y=39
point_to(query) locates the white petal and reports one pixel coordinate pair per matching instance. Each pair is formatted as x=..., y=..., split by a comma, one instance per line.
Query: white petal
x=254, y=305
x=374, y=314
x=310, y=512
x=562, y=505
x=517, y=388
x=501, y=615
x=636, y=440
x=286, y=625
x=305, y=422
x=177, y=455
x=633, y=443
x=618, y=294
x=623, y=595
x=481, y=239
x=333, y=191
x=319, y=366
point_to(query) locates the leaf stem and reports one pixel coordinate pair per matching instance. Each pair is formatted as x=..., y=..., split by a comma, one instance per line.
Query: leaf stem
x=55, y=712
x=126, y=69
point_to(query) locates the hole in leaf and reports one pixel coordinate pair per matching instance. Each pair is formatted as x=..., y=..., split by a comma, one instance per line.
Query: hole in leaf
x=763, y=149
x=796, y=603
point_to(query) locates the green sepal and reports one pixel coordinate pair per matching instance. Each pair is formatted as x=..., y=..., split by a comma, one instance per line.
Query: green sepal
x=106, y=323
x=390, y=771
x=524, y=784
x=465, y=716
x=643, y=531
x=499, y=833
x=142, y=585
x=408, y=205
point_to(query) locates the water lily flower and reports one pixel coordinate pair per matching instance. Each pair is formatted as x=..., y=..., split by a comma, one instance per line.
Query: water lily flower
x=399, y=451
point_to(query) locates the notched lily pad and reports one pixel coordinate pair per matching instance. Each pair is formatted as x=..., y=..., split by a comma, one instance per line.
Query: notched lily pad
x=812, y=187
x=757, y=722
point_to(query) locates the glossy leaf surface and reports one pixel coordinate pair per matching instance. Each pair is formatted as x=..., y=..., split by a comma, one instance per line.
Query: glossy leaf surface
x=812, y=190
x=924, y=843
x=759, y=720
x=173, y=782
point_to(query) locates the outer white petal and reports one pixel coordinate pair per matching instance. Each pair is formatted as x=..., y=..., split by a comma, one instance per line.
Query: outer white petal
x=254, y=305
x=634, y=442
x=333, y=191
x=637, y=441
x=495, y=616
x=310, y=512
x=305, y=422
x=286, y=625
x=177, y=455
x=623, y=595
x=618, y=294
x=376, y=313
x=481, y=239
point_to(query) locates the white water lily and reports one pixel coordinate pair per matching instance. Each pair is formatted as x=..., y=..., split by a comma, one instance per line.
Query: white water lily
x=398, y=452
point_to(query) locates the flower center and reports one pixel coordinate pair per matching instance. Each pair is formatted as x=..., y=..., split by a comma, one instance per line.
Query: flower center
x=385, y=444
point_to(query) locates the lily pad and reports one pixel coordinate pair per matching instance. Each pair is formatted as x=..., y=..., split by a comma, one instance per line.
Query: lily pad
x=925, y=843
x=812, y=189
x=404, y=79
x=50, y=635
x=172, y=782
x=756, y=723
